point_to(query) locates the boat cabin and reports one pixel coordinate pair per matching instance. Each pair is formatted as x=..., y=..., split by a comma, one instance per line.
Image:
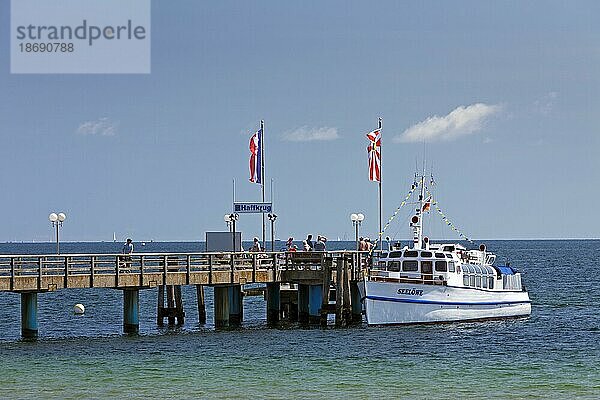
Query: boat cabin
x=445, y=264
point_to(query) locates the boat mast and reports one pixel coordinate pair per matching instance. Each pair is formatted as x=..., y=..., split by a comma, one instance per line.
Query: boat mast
x=417, y=220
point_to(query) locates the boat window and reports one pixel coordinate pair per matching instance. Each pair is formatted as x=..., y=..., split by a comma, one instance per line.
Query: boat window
x=466, y=280
x=472, y=280
x=426, y=254
x=395, y=254
x=410, y=266
x=441, y=266
x=467, y=268
x=449, y=248
x=383, y=255
x=478, y=281
x=490, y=270
x=394, y=266
x=448, y=255
x=451, y=266
x=484, y=282
x=427, y=267
x=491, y=283
x=439, y=255
x=410, y=253
x=381, y=264
x=478, y=269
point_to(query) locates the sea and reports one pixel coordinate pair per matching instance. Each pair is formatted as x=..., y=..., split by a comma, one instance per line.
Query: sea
x=554, y=353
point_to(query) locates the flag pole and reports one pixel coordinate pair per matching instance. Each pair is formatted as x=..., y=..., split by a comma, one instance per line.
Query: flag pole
x=380, y=178
x=262, y=175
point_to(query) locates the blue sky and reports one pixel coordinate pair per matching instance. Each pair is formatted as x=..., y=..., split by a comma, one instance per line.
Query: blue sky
x=507, y=94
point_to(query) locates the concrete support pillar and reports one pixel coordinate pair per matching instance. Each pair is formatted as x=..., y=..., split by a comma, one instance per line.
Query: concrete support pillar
x=29, y=320
x=315, y=299
x=303, y=304
x=221, y=306
x=131, y=310
x=236, y=305
x=356, y=303
x=273, y=302
x=201, y=304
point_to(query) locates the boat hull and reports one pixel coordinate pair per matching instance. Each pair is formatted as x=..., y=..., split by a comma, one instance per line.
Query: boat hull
x=405, y=303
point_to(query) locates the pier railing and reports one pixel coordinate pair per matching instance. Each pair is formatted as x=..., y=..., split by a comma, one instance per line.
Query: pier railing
x=50, y=272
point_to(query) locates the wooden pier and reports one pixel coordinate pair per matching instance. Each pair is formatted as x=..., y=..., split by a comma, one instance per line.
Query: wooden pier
x=314, y=274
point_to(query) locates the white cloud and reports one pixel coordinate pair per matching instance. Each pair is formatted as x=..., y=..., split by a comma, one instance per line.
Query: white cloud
x=463, y=120
x=102, y=126
x=306, y=134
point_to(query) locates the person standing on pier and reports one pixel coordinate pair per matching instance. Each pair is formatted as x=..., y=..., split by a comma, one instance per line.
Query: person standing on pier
x=362, y=245
x=309, y=243
x=127, y=250
x=320, y=245
x=289, y=244
x=128, y=247
x=255, y=246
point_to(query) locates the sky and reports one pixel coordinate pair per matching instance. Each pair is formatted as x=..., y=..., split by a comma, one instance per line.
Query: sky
x=505, y=96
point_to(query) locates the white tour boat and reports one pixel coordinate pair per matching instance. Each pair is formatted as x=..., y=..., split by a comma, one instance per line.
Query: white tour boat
x=429, y=283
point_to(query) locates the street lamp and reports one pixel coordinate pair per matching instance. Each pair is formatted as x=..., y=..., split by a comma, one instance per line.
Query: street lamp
x=230, y=219
x=272, y=218
x=357, y=219
x=57, y=221
x=227, y=220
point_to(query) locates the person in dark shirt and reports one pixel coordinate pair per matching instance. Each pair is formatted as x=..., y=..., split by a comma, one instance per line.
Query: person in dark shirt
x=309, y=242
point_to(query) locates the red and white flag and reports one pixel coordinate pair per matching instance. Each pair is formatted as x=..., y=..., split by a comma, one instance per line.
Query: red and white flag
x=256, y=156
x=374, y=150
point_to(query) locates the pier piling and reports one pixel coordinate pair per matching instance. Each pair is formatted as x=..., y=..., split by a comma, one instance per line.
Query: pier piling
x=29, y=320
x=273, y=302
x=201, y=304
x=131, y=310
x=315, y=300
x=303, y=298
x=236, y=305
x=174, y=309
x=339, y=293
x=356, y=303
x=221, y=304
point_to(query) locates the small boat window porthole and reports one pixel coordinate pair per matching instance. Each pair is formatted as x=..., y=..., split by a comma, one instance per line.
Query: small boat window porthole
x=451, y=266
x=427, y=254
x=409, y=253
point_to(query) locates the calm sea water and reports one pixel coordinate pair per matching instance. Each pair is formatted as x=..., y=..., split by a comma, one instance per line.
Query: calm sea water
x=553, y=354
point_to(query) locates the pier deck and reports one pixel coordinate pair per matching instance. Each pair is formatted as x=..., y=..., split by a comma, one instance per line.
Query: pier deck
x=42, y=273
x=315, y=273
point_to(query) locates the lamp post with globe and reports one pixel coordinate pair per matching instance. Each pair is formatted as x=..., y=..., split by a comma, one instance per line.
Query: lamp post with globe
x=356, y=219
x=57, y=221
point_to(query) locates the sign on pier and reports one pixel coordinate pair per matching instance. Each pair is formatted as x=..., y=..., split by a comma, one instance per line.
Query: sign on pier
x=252, y=207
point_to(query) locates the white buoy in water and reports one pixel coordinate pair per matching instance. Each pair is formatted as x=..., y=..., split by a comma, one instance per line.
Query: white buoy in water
x=79, y=309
